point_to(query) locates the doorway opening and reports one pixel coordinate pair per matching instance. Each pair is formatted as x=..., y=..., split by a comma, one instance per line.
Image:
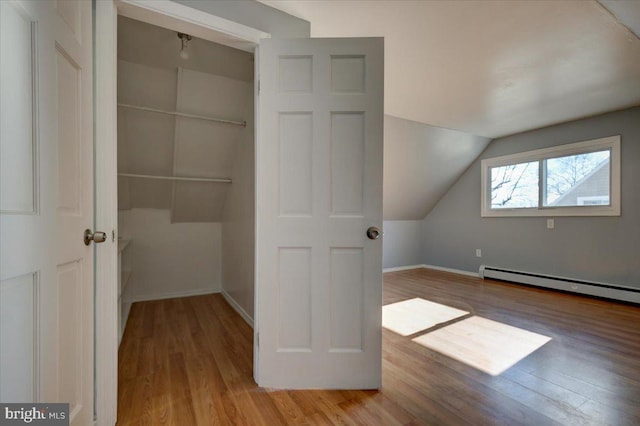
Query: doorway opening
x=186, y=205
x=318, y=272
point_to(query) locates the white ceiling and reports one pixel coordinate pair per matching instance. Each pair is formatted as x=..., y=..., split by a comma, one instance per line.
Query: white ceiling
x=492, y=68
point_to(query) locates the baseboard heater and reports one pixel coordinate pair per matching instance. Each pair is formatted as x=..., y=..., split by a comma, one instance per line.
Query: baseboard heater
x=609, y=291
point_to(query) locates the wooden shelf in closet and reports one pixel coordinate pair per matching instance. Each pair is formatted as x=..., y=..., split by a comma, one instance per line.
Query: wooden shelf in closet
x=124, y=276
x=125, y=280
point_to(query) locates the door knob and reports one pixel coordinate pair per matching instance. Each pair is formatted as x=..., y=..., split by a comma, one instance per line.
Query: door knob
x=96, y=237
x=373, y=233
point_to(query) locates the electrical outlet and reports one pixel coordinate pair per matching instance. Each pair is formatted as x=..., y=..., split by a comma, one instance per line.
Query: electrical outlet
x=478, y=253
x=551, y=224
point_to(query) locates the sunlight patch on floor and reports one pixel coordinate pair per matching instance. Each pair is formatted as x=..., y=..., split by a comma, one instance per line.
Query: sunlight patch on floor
x=414, y=315
x=487, y=345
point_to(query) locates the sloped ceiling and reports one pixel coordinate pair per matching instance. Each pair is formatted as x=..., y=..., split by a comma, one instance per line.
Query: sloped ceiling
x=421, y=163
x=491, y=68
x=484, y=68
x=627, y=12
x=157, y=47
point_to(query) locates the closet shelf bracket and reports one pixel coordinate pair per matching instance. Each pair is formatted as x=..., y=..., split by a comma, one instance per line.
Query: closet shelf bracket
x=180, y=178
x=181, y=114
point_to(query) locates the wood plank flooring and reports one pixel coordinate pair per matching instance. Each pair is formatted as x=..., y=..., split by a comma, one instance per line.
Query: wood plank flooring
x=189, y=362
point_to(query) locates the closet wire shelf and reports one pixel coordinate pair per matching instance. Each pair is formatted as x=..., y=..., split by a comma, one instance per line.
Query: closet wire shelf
x=180, y=178
x=181, y=114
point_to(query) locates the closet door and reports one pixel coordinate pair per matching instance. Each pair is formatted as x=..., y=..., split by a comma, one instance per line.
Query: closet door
x=319, y=201
x=46, y=278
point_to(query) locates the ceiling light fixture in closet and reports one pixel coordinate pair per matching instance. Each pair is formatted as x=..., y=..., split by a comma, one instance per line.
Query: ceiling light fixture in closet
x=186, y=38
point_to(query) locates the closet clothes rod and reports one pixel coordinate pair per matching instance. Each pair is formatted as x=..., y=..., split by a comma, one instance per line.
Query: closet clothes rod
x=189, y=179
x=181, y=114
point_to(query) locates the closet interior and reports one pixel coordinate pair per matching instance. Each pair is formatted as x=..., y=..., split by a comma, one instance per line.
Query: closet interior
x=185, y=168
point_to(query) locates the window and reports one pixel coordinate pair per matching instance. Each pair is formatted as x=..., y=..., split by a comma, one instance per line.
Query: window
x=579, y=179
x=514, y=186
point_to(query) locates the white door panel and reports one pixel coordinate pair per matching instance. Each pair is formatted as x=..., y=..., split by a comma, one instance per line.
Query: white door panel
x=46, y=287
x=319, y=187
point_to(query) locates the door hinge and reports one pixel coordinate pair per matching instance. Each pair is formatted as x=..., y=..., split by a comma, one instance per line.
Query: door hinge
x=258, y=339
x=258, y=86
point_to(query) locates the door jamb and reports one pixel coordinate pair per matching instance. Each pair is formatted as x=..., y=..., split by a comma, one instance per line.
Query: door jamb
x=106, y=215
x=170, y=15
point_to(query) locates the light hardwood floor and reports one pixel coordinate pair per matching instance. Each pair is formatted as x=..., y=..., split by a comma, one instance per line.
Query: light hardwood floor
x=189, y=362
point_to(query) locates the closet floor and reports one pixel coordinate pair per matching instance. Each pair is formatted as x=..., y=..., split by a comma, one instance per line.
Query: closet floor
x=189, y=361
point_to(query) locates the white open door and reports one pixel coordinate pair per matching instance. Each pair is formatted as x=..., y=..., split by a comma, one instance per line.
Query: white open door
x=319, y=189
x=46, y=278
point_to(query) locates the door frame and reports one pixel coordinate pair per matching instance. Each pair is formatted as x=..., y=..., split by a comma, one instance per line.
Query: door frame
x=174, y=16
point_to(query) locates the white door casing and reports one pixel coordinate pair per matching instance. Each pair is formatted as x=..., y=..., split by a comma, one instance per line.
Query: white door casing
x=46, y=278
x=179, y=18
x=319, y=187
x=106, y=181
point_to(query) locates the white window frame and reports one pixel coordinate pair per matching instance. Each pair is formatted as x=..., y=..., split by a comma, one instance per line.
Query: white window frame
x=611, y=143
x=582, y=200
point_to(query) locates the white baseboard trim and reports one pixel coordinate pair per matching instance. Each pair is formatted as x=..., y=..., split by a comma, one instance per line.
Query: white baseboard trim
x=403, y=268
x=454, y=271
x=245, y=316
x=172, y=295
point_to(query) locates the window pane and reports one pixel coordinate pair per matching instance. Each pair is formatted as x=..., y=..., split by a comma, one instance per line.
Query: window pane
x=514, y=186
x=578, y=180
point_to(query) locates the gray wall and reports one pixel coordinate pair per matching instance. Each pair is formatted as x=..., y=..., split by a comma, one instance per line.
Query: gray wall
x=254, y=15
x=605, y=249
x=402, y=243
x=421, y=163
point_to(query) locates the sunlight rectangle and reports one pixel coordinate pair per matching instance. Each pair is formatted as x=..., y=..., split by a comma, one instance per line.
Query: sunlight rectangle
x=414, y=315
x=487, y=345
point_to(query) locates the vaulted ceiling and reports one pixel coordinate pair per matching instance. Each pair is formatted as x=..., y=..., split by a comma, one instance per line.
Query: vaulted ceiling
x=484, y=69
x=492, y=68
